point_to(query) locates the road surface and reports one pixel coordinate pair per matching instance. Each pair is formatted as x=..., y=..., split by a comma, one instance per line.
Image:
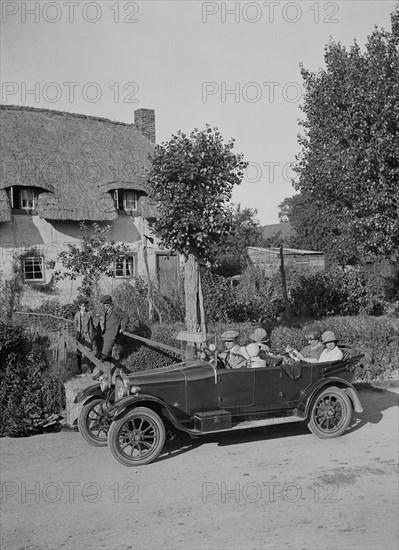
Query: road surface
x=269, y=488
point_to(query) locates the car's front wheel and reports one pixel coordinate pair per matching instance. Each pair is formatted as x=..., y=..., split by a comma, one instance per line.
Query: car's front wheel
x=93, y=422
x=331, y=413
x=137, y=438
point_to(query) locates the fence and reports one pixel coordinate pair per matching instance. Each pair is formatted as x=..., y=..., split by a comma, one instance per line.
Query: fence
x=58, y=330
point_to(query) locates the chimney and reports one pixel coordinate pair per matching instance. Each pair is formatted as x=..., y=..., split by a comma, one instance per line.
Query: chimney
x=144, y=119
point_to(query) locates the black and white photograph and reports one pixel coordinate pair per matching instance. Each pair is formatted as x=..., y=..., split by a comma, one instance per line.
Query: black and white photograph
x=199, y=275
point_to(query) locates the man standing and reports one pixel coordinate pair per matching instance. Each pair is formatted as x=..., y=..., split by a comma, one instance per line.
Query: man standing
x=84, y=327
x=113, y=323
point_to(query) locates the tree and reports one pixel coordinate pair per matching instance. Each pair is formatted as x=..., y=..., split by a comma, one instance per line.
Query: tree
x=317, y=229
x=231, y=254
x=191, y=181
x=92, y=258
x=349, y=164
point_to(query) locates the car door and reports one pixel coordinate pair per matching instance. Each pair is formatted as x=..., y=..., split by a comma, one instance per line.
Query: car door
x=268, y=388
x=236, y=388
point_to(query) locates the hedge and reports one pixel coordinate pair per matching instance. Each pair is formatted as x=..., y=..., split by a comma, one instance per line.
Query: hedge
x=29, y=391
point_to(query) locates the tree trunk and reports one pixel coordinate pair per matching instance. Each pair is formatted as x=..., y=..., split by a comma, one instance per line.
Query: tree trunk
x=191, y=297
x=288, y=311
x=201, y=303
x=191, y=293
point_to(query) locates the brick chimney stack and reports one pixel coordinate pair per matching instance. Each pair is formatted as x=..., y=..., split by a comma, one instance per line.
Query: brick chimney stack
x=144, y=119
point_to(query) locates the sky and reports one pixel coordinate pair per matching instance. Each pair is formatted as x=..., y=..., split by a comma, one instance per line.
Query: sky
x=233, y=65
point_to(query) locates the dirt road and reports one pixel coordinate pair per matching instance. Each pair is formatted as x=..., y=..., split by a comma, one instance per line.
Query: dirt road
x=279, y=487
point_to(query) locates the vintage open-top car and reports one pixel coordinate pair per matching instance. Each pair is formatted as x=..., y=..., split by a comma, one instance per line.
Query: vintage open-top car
x=202, y=397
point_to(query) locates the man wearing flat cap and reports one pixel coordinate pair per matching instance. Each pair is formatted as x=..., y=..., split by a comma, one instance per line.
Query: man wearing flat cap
x=232, y=355
x=84, y=327
x=113, y=323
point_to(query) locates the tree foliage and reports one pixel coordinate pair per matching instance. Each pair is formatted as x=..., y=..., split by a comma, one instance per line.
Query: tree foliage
x=349, y=165
x=191, y=181
x=316, y=229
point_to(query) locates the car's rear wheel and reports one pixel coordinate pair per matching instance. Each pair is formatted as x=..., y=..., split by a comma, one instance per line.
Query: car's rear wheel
x=331, y=413
x=93, y=422
x=137, y=438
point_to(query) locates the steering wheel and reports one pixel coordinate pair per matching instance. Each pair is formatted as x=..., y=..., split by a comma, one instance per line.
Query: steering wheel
x=221, y=363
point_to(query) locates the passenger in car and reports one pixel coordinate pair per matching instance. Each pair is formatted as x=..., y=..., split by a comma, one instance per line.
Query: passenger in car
x=259, y=336
x=232, y=355
x=312, y=351
x=251, y=354
x=332, y=351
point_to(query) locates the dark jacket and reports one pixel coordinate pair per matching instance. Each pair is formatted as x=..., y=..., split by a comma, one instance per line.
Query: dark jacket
x=84, y=325
x=112, y=323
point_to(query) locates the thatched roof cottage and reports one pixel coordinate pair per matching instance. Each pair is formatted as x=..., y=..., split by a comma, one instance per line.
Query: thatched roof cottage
x=58, y=169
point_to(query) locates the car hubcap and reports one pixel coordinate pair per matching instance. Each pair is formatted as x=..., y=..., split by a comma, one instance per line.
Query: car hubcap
x=329, y=413
x=137, y=437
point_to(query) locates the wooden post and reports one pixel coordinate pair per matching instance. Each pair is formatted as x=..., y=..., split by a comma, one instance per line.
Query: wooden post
x=288, y=311
x=191, y=298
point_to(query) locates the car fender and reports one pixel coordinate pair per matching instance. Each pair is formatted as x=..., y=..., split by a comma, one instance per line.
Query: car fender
x=93, y=392
x=308, y=395
x=157, y=405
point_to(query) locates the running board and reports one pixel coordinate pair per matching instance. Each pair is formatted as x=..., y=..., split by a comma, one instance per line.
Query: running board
x=246, y=424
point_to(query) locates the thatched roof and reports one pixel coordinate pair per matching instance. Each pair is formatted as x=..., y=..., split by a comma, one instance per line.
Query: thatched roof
x=5, y=208
x=75, y=160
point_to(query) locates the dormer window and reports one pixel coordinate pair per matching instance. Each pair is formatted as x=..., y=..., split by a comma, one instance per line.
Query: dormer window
x=27, y=199
x=23, y=198
x=126, y=200
x=130, y=200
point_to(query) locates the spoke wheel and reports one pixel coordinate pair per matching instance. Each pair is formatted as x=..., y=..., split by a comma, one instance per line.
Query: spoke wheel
x=93, y=423
x=331, y=413
x=137, y=438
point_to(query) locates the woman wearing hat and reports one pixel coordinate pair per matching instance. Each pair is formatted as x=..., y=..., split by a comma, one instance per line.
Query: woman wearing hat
x=311, y=353
x=261, y=339
x=259, y=336
x=332, y=351
x=84, y=327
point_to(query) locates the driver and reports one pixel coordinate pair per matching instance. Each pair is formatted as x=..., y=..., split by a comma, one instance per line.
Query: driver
x=232, y=355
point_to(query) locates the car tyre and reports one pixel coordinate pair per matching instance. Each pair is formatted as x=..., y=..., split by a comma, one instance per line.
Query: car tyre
x=137, y=438
x=331, y=413
x=93, y=423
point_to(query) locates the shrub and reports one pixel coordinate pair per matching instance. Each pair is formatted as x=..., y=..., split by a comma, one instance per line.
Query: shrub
x=14, y=341
x=57, y=308
x=28, y=390
x=218, y=297
x=145, y=357
x=338, y=292
x=255, y=299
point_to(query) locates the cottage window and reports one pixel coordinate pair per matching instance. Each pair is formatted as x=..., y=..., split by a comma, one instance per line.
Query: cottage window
x=24, y=198
x=125, y=200
x=33, y=268
x=125, y=267
x=130, y=200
